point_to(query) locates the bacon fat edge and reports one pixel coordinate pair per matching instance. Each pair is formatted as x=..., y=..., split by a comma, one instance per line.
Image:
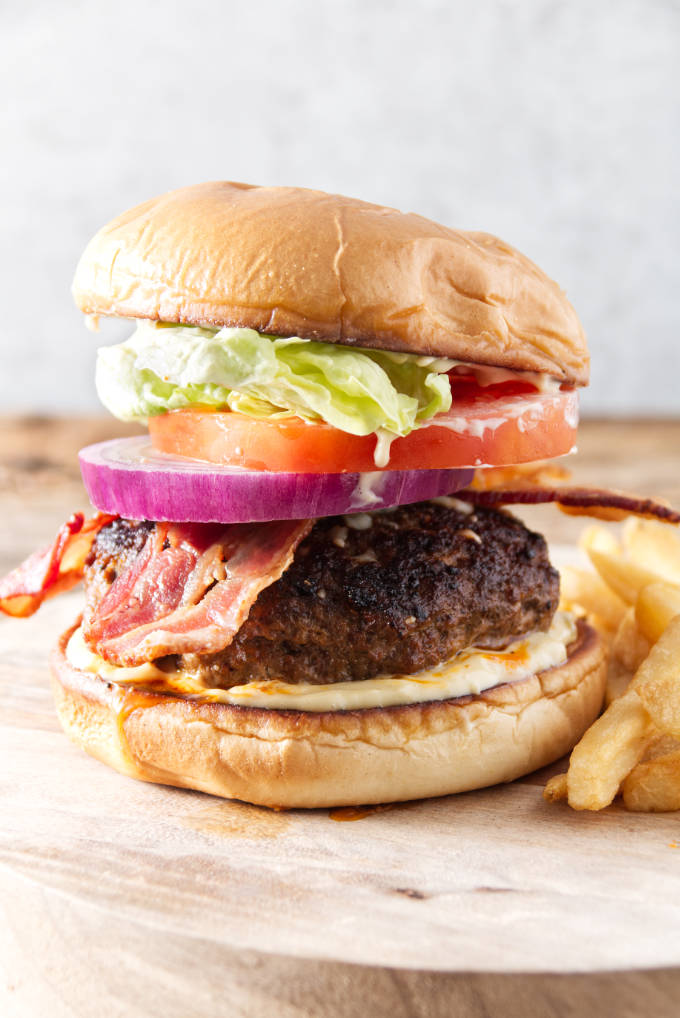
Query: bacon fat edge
x=189, y=589
x=612, y=505
x=186, y=598
x=53, y=569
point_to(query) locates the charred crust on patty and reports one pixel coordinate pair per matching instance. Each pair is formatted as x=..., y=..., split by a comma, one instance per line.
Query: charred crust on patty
x=118, y=543
x=396, y=596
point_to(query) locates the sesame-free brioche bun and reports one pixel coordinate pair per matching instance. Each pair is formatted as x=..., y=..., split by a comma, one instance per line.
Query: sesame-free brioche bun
x=303, y=759
x=294, y=262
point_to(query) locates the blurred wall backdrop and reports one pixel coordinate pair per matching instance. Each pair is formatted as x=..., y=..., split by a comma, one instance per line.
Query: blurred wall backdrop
x=554, y=124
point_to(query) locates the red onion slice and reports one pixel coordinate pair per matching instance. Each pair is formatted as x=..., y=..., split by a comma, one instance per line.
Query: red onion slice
x=129, y=477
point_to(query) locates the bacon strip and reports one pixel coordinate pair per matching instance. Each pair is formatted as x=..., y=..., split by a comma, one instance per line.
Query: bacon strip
x=153, y=585
x=608, y=505
x=54, y=569
x=543, y=474
x=161, y=607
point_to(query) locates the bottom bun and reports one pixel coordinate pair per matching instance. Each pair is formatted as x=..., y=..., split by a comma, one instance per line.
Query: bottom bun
x=287, y=758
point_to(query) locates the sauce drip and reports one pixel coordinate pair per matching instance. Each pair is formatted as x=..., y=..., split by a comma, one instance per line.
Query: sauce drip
x=347, y=813
x=127, y=700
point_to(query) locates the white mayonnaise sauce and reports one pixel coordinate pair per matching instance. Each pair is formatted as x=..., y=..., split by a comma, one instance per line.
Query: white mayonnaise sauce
x=383, y=444
x=367, y=489
x=469, y=672
x=359, y=521
x=528, y=411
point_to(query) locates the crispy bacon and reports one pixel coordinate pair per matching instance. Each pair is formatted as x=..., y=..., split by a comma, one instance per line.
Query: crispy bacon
x=543, y=474
x=54, y=569
x=153, y=585
x=608, y=505
x=190, y=589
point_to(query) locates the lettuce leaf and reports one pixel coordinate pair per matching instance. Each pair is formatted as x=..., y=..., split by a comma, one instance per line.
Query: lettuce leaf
x=165, y=367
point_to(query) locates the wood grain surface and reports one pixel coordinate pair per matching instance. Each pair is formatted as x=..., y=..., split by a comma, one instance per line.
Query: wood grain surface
x=120, y=898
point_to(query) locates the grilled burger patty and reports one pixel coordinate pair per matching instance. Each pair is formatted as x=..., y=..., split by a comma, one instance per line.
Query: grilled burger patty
x=391, y=592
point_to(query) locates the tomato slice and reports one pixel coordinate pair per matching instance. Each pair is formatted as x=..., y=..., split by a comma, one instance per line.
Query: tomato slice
x=481, y=429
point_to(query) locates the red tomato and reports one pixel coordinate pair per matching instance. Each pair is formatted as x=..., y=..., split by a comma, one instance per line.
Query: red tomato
x=488, y=428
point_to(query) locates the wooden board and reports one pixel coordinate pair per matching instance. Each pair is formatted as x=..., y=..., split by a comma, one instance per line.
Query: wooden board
x=108, y=884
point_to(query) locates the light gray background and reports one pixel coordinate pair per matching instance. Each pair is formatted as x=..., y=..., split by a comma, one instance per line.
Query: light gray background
x=552, y=124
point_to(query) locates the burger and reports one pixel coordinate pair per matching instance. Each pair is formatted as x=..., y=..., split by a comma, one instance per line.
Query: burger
x=302, y=587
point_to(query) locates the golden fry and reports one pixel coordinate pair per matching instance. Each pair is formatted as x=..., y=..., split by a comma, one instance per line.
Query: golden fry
x=656, y=605
x=600, y=539
x=608, y=752
x=657, y=681
x=634, y=601
x=654, y=785
x=588, y=591
x=618, y=680
x=625, y=578
x=661, y=746
x=629, y=647
x=654, y=545
x=556, y=789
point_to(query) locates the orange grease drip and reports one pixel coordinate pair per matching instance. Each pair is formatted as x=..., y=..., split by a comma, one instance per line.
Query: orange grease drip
x=346, y=813
x=519, y=656
x=128, y=701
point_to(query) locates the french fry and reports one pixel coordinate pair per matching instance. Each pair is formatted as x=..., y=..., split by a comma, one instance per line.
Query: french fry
x=653, y=786
x=607, y=753
x=656, y=605
x=657, y=681
x=634, y=726
x=580, y=588
x=625, y=578
x=634, y=602
x=556, y=789
x=654, y=545
x=618, y=680
x=629, y=647
x=660, y=746
x=600, y=539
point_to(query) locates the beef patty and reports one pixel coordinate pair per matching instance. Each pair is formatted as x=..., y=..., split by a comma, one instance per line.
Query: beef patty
x=391, y=592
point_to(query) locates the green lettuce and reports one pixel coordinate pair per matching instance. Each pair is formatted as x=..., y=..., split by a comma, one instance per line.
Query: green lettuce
x=165, y=367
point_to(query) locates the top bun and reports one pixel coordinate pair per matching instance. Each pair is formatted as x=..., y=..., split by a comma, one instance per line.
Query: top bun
x=293, y=262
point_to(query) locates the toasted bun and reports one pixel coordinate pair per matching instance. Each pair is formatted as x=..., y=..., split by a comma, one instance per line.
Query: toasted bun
x=301, y=759
x=294, y=262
